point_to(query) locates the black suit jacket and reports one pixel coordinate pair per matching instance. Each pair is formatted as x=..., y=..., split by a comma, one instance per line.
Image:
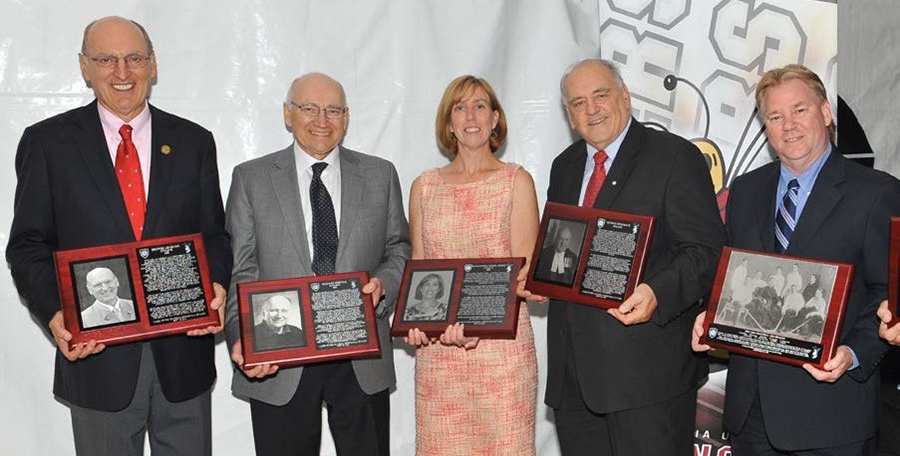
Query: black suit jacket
x=624, y=367
x=67, y=197
x=846, y=219
x=545, y=263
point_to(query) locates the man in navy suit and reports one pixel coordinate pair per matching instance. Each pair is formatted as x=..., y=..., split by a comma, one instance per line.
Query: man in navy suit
x=841, y=212
x=68, y=196
x=624, y=381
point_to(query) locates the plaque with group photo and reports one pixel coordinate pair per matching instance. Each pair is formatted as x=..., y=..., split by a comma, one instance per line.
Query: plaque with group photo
x=305, y=320
x=894, y=271
x=777, y=307
x=136, y=290
x=477, y=292
x=589, y=256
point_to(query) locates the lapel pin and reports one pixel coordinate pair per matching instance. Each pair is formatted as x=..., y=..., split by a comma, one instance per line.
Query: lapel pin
x=165, y=149
x=614, y=182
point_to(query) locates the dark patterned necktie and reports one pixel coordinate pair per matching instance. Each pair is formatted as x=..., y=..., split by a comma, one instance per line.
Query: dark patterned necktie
x=786, y=217
x=324, y=225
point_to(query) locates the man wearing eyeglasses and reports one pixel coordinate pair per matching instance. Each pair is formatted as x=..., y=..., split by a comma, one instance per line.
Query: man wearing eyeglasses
x=120, y=170
x=318, y=208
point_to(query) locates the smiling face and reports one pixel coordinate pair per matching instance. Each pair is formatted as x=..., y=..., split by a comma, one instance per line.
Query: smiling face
x=430, y=288
x=796, y=124
x=317, y=135
x=121, y=90
x=598, y=106
x=103, y=285
x=472, y=119
x=276, y=312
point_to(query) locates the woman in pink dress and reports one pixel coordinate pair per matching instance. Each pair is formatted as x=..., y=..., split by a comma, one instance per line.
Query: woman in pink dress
x=474, y=397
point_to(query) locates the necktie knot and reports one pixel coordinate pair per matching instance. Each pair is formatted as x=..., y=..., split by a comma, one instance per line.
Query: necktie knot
x=125, y=132
x=317, y=169
x=600, y=158
x=793, y=185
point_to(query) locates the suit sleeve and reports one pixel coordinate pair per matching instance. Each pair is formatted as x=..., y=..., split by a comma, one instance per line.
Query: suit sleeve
x=239, y=222
x=212, y=217
x=32, y=238
x=694, y=229
x=863, y=338
x=396, y=248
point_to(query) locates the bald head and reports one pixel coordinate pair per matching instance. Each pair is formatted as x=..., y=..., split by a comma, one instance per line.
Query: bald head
x=103, y=285
x=114, y=21
x=276, y=310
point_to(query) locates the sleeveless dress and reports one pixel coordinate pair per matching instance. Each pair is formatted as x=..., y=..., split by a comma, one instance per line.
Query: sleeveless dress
x=479, y=401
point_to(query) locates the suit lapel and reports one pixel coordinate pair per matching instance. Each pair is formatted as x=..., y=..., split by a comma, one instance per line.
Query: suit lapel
x=352, y=189
x=92, y=148
x=572, y=171
x=764, y=208
x=287, y=191
x=823, y=198
x=163, y=134
x=621, y=167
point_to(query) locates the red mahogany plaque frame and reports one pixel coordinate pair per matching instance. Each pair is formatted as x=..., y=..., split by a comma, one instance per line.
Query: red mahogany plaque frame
x=336, y=320
x=760, y=322
x=610, y=255
x=478, y=292
x=166, y=279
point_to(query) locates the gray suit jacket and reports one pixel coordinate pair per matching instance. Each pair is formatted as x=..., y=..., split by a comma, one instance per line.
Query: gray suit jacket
x=96, y=316
x=264, y=217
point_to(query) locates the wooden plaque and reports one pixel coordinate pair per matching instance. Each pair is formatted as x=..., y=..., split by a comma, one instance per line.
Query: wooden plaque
x=307, y=319
x=589, y=256
x=894, y=271
x=777, y=307
x=136, y=290
x=478, y=292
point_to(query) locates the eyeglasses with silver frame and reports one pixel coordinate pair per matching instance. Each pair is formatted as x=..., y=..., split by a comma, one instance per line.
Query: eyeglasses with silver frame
x=313, y=110
x=132, y=61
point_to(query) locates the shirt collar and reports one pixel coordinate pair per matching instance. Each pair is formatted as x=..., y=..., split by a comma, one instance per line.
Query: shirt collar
x=305, y=160
x=111, y=123
x=807, y=178
x=613, y=148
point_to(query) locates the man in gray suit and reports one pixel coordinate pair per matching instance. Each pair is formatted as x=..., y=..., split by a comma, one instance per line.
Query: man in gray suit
x=108, y=307
x=272, y=221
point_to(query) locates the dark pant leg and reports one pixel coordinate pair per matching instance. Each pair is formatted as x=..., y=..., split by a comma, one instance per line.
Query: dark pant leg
x=296, y=427
x=360, y=423
x=580, y=431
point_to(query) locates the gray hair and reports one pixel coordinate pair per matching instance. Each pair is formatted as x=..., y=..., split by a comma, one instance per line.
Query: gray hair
x=617, y=75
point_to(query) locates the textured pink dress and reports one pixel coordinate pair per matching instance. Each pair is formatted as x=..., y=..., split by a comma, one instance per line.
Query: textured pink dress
x=479, y=401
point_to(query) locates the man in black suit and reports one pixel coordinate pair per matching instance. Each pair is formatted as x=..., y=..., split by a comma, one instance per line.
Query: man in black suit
x=68, y=196
x=624, y=381
x=558, y=262
x=841, y=212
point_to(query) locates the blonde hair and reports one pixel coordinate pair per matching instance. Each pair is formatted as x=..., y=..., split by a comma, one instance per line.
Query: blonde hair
x=456, y=91
x=790, y=72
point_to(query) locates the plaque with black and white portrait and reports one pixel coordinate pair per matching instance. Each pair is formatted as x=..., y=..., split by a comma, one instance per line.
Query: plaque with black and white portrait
x=302, y=320
x=136, y=290
x=590, y=256
x=781, y=308
x=477, y=292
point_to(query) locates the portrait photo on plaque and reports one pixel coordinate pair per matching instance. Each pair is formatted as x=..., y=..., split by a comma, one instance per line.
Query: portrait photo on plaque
x=430, y=296
x=303, y=320
x=782, y=308
x=132, y=291
x=560, y=252
x=278, y=320
x=480, y=293
x=105, y=292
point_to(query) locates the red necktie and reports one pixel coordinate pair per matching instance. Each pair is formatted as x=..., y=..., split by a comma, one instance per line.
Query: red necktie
x=597, y=177
x=131, y=180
